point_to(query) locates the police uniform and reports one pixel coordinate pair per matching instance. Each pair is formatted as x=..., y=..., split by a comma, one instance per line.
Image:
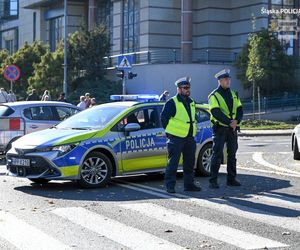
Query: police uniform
x=178, y=120
x=225, y=106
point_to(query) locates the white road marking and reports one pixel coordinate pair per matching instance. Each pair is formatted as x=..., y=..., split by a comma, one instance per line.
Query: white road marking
x=224, y=206
x=266, y=171
x=25, y=236
x=219, y=232
x=271, y=199
x=258, y=157
x=125, y=235
x=3, y=170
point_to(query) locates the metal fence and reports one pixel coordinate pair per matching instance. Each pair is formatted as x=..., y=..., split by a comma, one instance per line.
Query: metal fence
x=165, y=56
x=273, y=103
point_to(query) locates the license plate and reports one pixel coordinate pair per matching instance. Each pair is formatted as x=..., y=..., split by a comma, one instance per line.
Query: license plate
x=20, y=162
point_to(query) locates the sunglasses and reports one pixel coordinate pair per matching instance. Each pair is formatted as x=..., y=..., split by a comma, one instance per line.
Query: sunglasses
x=186, y=87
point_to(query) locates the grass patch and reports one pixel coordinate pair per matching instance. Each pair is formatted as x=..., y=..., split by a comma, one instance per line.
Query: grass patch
x=267, y=124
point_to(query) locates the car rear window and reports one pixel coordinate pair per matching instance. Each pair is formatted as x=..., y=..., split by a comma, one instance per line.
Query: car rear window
x=5, y=110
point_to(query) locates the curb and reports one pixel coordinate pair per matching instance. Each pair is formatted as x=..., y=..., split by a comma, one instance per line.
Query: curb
x=252, y=133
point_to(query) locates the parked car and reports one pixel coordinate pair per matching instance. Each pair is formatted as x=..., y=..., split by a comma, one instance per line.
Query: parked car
x=20, y=118
x=112, y=139
x=296, y=142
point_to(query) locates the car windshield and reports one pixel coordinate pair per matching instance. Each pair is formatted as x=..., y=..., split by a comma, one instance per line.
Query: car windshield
x=92, y=118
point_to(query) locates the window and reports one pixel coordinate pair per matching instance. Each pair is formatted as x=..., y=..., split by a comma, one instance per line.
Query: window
x=105, y=16
x=55, y=32
x=65, y=112
x=131, y=29
x=285, y=25
x=202, y=116
x=9, y=9
x=34, y=26
x=147, y=118
x=9, y=40
x=38, y=113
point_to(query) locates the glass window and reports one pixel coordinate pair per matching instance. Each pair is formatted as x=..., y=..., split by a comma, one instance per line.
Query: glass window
x=104, y=16
x=202, y=116
x=131, y=26
x=6, y=111
x=55, y=32
x=39, y=113
x=65, y=112
x=92, y=118
x=9, y=40
x=147, y=118
x=9, y=9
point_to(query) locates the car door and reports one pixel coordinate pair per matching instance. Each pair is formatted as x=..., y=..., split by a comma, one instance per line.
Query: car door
x=203, y=125
x=143, y=150
x=38, y=118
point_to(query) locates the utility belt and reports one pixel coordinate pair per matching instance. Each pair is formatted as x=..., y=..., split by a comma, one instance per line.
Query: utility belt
x=218, y=126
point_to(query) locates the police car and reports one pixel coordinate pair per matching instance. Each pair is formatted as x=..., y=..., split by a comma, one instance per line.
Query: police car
x=113, y=139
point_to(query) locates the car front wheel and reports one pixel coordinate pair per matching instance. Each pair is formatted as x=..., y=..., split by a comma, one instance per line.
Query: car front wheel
x=204, y=160
x=95, y=170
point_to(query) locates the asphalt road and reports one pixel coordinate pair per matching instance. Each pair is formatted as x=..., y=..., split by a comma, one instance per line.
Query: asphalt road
x=136, y=212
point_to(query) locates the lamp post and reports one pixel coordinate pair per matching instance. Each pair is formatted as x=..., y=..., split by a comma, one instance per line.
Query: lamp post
x=65, y=84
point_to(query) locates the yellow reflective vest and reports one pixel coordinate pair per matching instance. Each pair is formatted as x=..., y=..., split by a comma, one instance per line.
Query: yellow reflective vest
x=216, y=100
x=179, y=125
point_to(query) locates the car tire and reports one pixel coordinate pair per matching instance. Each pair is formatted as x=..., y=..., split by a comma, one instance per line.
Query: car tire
x=40, y=181
x=204, y=159
x=95, y=171
x=296, y=153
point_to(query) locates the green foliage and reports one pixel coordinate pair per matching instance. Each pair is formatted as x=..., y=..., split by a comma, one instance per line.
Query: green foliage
x=25, y=58
x=267, y=124
x=86, y=67
x=49, y=73
x=263, y=59
x=3, y=57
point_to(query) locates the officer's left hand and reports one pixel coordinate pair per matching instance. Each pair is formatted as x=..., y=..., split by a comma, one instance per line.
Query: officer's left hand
x=233, y=124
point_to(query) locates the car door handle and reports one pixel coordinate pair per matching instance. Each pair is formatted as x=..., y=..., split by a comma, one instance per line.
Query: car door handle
x=34, y=126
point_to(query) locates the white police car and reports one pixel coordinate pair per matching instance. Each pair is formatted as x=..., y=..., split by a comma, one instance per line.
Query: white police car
x=112, y=139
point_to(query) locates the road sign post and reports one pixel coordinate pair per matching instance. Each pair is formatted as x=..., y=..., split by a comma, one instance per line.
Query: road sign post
x=124, y=63
x=12, y=73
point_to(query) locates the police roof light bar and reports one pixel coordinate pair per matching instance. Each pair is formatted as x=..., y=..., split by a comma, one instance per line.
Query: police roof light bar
x=138, y=98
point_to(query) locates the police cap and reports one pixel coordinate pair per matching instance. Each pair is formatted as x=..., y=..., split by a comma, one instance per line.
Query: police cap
x=183, y=81
x=224, y=73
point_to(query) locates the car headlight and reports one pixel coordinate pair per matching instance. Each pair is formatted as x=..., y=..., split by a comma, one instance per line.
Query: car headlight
x=62, y=149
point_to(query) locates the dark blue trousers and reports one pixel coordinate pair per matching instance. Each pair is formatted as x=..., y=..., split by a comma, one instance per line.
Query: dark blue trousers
x=222, y=135
x=176, y=146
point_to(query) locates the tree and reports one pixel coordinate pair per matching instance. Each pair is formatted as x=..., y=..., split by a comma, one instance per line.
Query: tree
x=86, y=67
x=3, y=56
x=25, y=58
x=263, y=59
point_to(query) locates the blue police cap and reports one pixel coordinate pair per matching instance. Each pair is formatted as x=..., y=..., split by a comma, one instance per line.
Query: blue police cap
x=183, y=81
x=224, y=73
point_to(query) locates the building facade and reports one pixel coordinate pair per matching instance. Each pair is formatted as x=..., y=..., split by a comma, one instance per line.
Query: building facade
x=195, y=35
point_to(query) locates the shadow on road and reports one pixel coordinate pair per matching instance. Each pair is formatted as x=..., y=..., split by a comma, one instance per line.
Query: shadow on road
x=232, y=196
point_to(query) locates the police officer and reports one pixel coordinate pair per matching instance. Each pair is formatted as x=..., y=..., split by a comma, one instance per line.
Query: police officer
x=178, y=120
x=226, y=115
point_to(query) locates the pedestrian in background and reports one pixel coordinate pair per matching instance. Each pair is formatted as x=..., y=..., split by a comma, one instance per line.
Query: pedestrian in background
x=62, y=97
x=3, y=96
x=87, y=100
x=178, y=120
x=93, y=102
x=46, y=96
x=33, y=96
x=163, y=96
x=11, y=97
x=82, y=104
x=226, y=115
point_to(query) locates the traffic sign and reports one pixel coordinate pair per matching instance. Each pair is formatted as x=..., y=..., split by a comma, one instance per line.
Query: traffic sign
x=12, y=72
x=125, y=62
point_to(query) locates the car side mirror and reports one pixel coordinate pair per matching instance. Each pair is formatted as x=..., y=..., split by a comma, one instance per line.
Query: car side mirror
x=130, y=127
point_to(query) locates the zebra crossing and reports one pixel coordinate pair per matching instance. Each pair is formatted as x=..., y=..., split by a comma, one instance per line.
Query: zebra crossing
x=18, y=232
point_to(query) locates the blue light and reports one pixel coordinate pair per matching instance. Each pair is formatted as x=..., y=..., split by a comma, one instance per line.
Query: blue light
x=137, y=98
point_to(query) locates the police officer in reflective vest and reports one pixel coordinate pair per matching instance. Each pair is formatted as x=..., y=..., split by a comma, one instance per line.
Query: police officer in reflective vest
x=226, y=115
x=178, y=120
